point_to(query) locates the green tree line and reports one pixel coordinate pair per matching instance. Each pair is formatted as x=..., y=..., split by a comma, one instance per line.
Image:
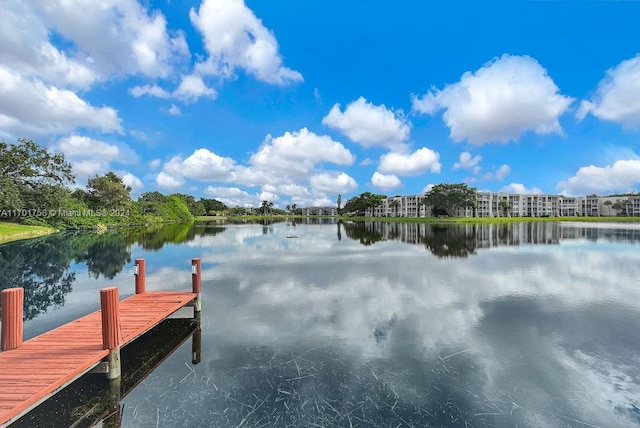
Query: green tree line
x=36, y=189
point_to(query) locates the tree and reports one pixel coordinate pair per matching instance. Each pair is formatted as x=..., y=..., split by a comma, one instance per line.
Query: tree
x=446, y=198
x=608, y=203
x=266, y=206
x=108, y=191
x=339, y=202
x=505, y=206
x=32, y=177
x=211, y=205
x=617, y=205
x=395, y=204
x=359, y=204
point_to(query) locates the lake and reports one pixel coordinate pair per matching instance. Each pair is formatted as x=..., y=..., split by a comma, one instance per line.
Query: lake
x=321, y=323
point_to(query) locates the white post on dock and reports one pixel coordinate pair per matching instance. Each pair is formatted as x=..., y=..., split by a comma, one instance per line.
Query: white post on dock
x=196, y=282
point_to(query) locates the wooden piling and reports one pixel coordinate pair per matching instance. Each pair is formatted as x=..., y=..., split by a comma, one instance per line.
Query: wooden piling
x=196, y=282
x=140, y=272
x=196, y=341
x=12, y=302
x=111, y=333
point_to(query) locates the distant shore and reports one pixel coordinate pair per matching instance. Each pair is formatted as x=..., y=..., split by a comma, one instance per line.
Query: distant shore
x=10, y=232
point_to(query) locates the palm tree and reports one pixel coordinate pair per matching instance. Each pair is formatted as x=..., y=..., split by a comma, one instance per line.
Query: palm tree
x=294, y=208
x=266, y=205
x=505, y=206
x=608, y=204
x=395, y=204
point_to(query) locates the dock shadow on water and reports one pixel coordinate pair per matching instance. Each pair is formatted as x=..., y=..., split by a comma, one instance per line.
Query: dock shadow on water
x=93, y=399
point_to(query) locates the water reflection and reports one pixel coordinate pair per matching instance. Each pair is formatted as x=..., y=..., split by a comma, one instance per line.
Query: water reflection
x=43, y=266
x=462, y=240
x=538, y=326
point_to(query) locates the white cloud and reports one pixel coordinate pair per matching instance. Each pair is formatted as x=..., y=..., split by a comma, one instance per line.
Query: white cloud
x=174, y=111
x=168, y=182
x=193, y=87
x=89, y=156
x=623, y=176
x=232, y=196
x=369, y=125
x=296, y=154
x=416, y=163
x=333, y=183
x=77, y=146
x=385, y=182
x=152, y=90
x=118, y=37
x=505, y=98
x=366, y=162
x=467, y=161
x=520, y=188
x=154, y=163
x=32, y=107
x=132, y=181
x=27, y=50
x=203, y=165
x=618, y=96
x=499, y=175
x=235, y=38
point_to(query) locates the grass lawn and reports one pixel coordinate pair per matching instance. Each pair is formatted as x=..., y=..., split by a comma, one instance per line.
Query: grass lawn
x=14, y=232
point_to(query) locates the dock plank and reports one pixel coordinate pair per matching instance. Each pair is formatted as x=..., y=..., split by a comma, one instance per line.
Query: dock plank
x=47, y=363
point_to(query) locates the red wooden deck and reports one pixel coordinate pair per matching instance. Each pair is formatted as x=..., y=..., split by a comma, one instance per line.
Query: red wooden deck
x=47, y=363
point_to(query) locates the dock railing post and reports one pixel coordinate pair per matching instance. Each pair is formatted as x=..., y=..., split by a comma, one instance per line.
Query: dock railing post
x=111, y=334
x=139, y=271
x=11, y=303
x=196, y=282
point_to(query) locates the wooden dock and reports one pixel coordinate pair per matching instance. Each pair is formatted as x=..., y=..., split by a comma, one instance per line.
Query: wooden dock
x=42, y=366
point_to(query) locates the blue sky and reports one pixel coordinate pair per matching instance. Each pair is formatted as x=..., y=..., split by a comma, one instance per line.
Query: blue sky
x=298, y=101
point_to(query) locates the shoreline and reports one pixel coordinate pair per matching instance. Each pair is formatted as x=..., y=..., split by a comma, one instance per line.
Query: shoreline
x=11, y=232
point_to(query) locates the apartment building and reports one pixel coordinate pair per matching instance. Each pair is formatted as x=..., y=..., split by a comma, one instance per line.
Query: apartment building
x=489, y=204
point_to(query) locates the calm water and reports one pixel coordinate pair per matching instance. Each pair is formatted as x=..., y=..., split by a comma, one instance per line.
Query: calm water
x=528, y=325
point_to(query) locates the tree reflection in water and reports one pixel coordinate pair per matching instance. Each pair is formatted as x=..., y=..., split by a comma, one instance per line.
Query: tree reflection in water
x=42, y=266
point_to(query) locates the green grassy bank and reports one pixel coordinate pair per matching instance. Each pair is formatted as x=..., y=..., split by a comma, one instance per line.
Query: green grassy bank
x=15, y=232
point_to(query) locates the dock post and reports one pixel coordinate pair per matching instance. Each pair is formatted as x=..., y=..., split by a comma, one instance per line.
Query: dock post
x=139, y=271
x=11, y=303
x=196, y=341
x=196, y=282
x=111, y=334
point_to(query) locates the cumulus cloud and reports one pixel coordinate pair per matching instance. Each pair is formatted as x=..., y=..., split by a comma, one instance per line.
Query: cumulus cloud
x=499, y=102
x=333, y=183
x=117, y=36
x=174, y=111
x=89, y=156
x=617, y=98
x=385, y=182
x=203, y=165
x=132, y=181
x=416, y=163
x=30, y=106
x=369, y=125
x=621, y=177
x=467, y=161
x=499, y=174
x=231, y=196
x=152, y=90
x=193, y=87
x=169, y=182
x=520, y=188
x=235, y=38
x=296, y=154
